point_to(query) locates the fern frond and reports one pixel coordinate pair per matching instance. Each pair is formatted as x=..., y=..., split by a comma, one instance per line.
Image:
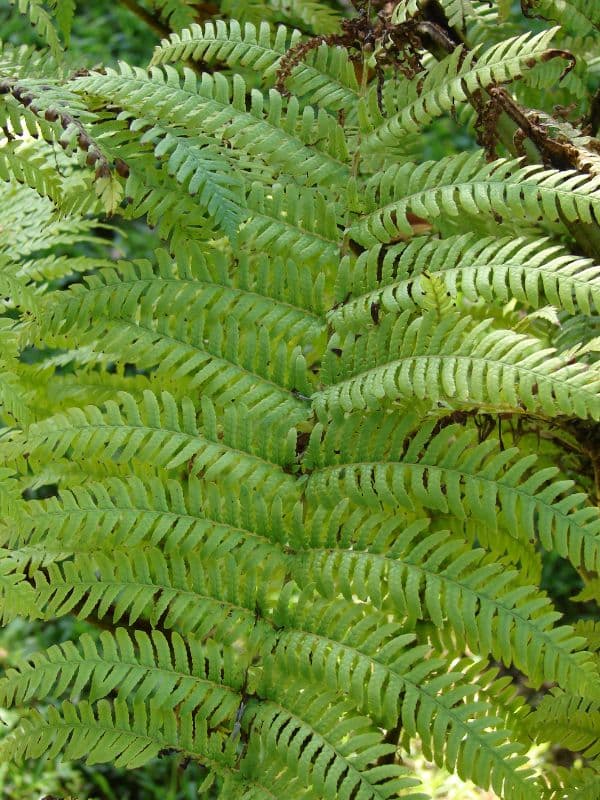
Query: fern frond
x=390, y=678
x=185, y=594
x=443, y=579
x=304, y=13
x=168, y=671
x=165, y=434
x=118, y=514
x=293, y=730
x=178, y=13
x=446, y=83
x=25, y=61
x=17, y=596
x=465, y=184
x=106, y=732
x=19, y=163
x=458, y=12
x=533, y=271
x=205, y=175
x=379, y=463
x=325, y=78
x=455, y=362
x=14, y=406
x=161, y=324
x=287, y=219
x=64, y=11
x=216, y=108
x=42, y=21
x=571, y=721
x=577, y=15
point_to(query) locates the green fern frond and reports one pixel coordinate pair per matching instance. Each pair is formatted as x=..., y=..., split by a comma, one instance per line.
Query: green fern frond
x=19, y=162
x=169, y=671
x=571, y=721
x=458, y=12
x=64, y=12
x=287, y=220
x=42, y=21
x=107, y=732
x=164, y=317
x=305, y=13
x=325, y=77
x=454, y=362
x=577, y=15
x=32, y=226
x=17, y=596
x=177, y=518
x=184, y=594
x=268, y=451
x=293, y=730
x=533, y=271
x=14, y=406
x=216, y=108
x=379, y=463
x=390, y=679
x=466, y=185
x=178, y=13
x=440, y=578
x=203, y=173
x=165, y=434
x=25, y=61
x=450, y=81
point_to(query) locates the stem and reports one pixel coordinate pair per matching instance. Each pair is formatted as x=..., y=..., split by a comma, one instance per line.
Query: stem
x=539, y=147
x=154, y=23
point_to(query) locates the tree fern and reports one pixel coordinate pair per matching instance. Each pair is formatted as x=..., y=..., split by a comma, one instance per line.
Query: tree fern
x=300, y=468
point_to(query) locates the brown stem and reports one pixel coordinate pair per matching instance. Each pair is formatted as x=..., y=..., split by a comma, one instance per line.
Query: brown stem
x=153, y=22
x=559, y=154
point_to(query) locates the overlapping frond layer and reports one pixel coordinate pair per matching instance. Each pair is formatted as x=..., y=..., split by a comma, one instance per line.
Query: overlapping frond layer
x=534, y=272
x=42, y=20
x=439, y=578
x=576, y=15
x=325, y=78
x=450, y=81
x=378, y=462
x=165, y=434
x=453, y=360
x=178, y=518
x=466, y=185
x=301, y=465
x=569, y=720
x=219, y=108
x=385, y=673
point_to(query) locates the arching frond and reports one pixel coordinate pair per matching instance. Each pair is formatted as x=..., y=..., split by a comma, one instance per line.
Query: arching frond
x=325, y=77
x=450, y=81
x=385, y=463
x=466, y=185
x=533, y=271
x=458, y=363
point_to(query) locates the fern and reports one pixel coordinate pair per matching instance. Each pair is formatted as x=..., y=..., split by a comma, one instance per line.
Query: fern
x=298, y=467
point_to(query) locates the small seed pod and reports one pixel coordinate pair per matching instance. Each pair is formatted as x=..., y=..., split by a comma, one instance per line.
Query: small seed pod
x=103, y=171
x=122, y=168
x=66, y=120
x=84, y=141
x=51, y=114
x=17, y=93
x=4, y=87
x=92, y=157
x=27, y=100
